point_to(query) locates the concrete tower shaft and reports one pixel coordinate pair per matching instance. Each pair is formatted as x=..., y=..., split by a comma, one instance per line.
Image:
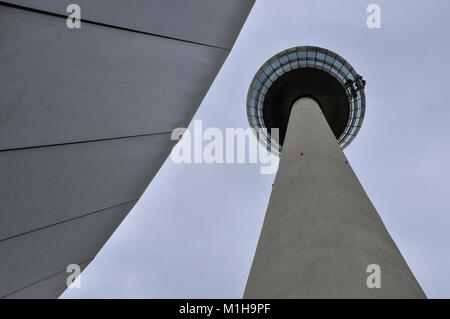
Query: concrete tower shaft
x=321, y=231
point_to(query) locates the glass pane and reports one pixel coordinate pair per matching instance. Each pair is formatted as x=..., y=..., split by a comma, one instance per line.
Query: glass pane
x=301, y=55
x=275, y=64
x=329, y=59
x=345, y=70
x=262, y=77
x=268, y=70
x=264, y=90
x=338, y=64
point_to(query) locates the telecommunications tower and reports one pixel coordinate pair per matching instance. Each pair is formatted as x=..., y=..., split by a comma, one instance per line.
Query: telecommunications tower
x=321, y=237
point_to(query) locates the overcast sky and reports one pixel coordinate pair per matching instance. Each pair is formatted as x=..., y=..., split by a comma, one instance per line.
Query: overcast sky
x=194, y=231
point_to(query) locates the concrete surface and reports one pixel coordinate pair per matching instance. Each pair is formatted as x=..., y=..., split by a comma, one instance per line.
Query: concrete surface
x=94, y=83
x=86, y=116
x=320, y=230
x=209, y=22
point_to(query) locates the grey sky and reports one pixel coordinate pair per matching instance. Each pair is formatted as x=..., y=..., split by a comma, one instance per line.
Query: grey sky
x=194, y=231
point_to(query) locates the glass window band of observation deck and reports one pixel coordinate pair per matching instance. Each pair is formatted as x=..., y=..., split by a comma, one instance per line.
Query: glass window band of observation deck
x=305, y=57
